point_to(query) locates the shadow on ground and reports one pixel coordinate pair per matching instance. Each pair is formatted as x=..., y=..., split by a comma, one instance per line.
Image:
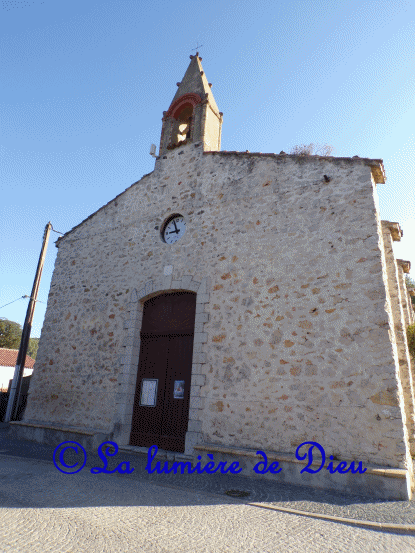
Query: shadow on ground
x=29, y=465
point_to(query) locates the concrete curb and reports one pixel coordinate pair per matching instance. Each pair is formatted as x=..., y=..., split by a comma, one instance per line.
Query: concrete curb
x=388, y=527
x=401, y=528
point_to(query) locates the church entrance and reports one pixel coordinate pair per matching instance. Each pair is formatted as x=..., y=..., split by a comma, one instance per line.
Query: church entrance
x=161, y=402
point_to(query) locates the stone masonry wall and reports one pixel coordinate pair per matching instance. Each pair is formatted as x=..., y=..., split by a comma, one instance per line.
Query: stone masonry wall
x=297, y=341
x=394, y=308
x=212, y=125
x=404, y=268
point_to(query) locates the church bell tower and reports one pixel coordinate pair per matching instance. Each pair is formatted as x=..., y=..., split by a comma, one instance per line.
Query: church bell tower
x=193, y=115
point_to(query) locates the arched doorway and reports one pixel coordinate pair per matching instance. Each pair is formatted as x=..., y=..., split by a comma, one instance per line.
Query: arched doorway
x=161, y=402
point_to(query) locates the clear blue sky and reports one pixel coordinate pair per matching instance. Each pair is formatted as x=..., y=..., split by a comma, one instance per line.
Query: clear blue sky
x=84, y=85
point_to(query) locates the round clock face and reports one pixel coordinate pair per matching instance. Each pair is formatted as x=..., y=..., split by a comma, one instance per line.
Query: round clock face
x=174, y=229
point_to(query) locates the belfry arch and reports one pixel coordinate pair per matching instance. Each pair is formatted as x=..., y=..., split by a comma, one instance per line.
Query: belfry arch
x=182, y=124
x=179, y=120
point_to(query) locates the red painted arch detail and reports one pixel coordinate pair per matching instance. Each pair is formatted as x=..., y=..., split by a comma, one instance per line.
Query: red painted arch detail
x=191, y=99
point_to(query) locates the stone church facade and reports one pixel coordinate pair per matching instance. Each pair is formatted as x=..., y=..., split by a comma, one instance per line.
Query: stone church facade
x=252, y=298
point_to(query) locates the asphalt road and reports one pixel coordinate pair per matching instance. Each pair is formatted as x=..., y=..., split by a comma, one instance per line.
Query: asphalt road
x=44, y=510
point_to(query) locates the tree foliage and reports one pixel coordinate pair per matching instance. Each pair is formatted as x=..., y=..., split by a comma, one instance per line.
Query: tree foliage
x=11, y=334
x=312, y=150
x=410, y=283
x=33, y=347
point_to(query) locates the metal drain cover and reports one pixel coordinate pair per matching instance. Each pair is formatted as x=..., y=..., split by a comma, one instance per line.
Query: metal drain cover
x=237, y=493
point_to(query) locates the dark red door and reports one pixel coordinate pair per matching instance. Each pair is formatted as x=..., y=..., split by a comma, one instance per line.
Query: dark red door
x=161, y=403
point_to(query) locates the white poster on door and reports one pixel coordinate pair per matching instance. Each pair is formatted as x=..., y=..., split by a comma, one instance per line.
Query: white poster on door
x=148, y=392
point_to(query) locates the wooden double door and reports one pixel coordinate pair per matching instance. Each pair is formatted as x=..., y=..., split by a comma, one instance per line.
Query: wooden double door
x=161, y=402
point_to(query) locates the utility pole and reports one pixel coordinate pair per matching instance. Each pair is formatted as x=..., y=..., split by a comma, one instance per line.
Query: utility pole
x=13, y=402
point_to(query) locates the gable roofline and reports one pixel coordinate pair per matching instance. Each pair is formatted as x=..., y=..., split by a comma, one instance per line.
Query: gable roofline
x=376, y=165
x=99, y=209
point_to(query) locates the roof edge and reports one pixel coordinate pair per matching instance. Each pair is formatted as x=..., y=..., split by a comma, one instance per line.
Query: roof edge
x=99, y=209
x=376, y=165
x=378, y=170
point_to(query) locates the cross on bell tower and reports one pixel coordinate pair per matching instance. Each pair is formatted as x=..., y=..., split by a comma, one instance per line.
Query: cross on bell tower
x=193, y=115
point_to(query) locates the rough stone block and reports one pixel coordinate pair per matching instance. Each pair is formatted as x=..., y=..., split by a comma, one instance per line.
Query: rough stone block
x=167, y=280
x=193, y=286
x=198, y=379
x=194, y=414
x=186, y=280
x=201, y=317
x=197, y=402
x=195, y=426
x=195, y=390
x=197, y=368
x=192, y=439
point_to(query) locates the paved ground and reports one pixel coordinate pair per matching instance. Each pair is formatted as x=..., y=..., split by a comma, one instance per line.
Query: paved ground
x=44, y=510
